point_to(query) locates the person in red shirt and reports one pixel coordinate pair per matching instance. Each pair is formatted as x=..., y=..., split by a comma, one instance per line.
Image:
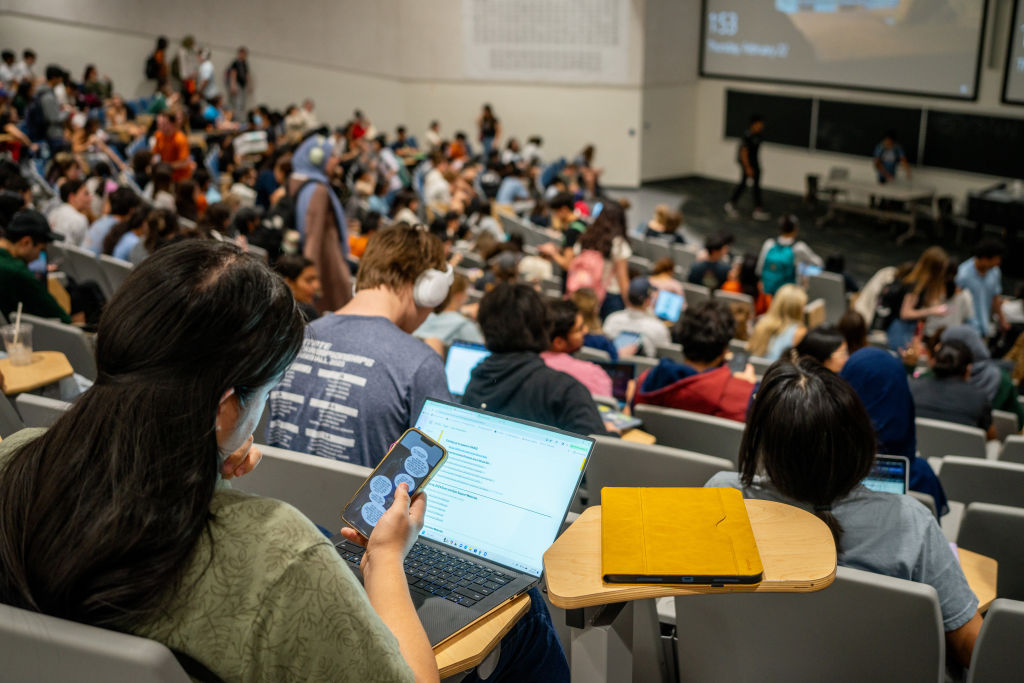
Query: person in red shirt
x=171, y=145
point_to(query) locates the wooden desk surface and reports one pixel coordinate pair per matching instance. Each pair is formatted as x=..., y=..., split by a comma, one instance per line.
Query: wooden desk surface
x=468, y=648
x=796, y=548
x=981, y=573
x=46, y=367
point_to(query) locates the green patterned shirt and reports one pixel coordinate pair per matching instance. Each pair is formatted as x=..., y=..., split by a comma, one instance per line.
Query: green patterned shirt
x=277, y=603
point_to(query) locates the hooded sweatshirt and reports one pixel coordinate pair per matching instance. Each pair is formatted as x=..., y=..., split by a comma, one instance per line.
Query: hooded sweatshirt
x=520, y=385
x=712, y=392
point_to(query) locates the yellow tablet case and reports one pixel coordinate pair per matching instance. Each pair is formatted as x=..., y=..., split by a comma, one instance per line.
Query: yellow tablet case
x=677, y=536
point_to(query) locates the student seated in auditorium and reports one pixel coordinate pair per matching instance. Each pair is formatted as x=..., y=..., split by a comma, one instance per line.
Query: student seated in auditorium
x=637, y=317
x=589, y=307
x=880, y=381
x=782, y=257
x=116, y=207
x=809, y=443
x=22, y=240
x=854, y=331
x=664, y=225
x=447, y=323
x=361, y=376
x=513, y=380
x=714, y=270
x=565, y=219
x=702, y=383
x=825, y=344
x=782, y=326
x=143, y=537
x=567, y=331
x=945, y=394
x=299, y=274
x=663, y=277
x=988, y=375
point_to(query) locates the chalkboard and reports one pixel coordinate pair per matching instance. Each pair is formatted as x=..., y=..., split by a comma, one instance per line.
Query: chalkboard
x=787, y=119
x=855, y=128
x=978, y=144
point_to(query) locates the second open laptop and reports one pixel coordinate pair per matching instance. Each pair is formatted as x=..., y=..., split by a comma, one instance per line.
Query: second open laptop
x=459, y=363
x=493, y=509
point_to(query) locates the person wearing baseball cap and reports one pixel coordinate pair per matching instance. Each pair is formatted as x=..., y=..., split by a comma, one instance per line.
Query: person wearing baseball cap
x=638, y=318
x=22, y=241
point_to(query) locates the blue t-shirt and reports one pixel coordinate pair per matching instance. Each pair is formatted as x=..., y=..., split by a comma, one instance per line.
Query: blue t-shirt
x=983, y=289
x=98, y=232
x=512, y=190
x=890, y=158
x=358, y=383
x=123, y=249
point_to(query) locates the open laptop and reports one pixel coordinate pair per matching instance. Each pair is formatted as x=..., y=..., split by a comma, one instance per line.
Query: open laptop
x=889, y=474
x=493, y=509
x=621, y=374
x=462, y=358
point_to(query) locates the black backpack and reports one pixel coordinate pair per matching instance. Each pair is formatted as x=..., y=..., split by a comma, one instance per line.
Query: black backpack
x=152, y=67
x=269, y=234
x=35, y=121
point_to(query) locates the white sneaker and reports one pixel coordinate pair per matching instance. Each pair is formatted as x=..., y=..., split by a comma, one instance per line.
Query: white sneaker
x=760, y=215
x=731, y=211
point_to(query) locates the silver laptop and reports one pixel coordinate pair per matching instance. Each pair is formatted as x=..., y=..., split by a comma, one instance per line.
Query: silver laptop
x=493, y=509
x=889, y=474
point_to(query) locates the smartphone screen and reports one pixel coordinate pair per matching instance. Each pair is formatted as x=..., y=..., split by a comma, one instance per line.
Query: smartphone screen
x=668, y=306
x=738, y=362
x=410, y=461
x=625, y=339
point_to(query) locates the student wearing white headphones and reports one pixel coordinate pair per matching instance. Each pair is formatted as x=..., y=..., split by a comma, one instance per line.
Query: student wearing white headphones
x=361, y=377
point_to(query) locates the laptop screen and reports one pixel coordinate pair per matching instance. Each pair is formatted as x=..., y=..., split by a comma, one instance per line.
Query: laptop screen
x=506, y=486
x=462, y=358
x=621, y=374
x=889, y=474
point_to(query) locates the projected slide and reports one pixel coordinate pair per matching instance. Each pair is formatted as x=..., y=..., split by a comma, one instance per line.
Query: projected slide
x=1013, y=90
x=928, y=47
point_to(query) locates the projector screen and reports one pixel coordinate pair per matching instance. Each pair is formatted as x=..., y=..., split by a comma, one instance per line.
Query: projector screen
x=1013, y=85
x=925, y=47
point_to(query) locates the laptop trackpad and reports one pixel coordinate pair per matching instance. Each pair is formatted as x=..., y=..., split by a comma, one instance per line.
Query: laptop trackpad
x=440, y=617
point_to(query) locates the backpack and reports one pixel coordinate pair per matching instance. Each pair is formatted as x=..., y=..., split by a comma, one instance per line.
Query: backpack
x=890, y=300
x=586, y=271
x=35, y=121
x=779, y=268
x=152, y=68
x=269, y=234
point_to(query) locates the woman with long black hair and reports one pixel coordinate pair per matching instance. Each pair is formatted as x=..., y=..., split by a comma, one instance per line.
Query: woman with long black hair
x=118, y=515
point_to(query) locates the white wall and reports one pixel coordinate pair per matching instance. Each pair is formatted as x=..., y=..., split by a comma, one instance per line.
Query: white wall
x=398, y=60
x=785, y=168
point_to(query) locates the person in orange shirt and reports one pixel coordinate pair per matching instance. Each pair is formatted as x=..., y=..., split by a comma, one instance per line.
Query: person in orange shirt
x=171, y=145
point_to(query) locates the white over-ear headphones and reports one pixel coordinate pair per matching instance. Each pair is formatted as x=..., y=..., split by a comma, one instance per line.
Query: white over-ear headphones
x=316, y=152
x=432, y=287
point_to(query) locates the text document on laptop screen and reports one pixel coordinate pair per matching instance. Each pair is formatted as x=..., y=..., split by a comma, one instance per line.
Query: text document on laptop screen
x=505, y=488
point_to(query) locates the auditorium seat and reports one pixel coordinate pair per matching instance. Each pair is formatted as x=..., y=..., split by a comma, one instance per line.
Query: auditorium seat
x=970, y=480
x=53, y=335
x=593, y=355
x=38, y=647
x=39, y=411
x=1005, y=424
x=830, y=288
x=693, y=432
x=695, y=294
x=684, y=256
x=673, y=351
x=639, y=264
x=615, y=462
x=114, y=271
x=83, y=266
x=10, y=420
x=760, y=364
x=997, y=531
x=863, y=627
x=814, y=313
x=1013, y=450
x=997, y=654
x=938, y=438
x=642, y=363
x=318, y=487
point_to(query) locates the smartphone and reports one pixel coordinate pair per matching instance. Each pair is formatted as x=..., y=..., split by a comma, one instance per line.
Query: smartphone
x=668, y=306
x=625, y=339
x=738, y=362
x=412, y=460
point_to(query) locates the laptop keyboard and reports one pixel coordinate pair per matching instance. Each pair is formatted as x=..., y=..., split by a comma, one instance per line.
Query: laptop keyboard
x=437, y=572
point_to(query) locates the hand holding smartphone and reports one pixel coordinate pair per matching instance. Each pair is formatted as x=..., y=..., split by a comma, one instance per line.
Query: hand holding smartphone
x=413, y=460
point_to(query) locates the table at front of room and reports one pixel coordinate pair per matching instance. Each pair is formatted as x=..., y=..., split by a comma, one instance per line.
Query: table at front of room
x=916, y=198
x=797, y=552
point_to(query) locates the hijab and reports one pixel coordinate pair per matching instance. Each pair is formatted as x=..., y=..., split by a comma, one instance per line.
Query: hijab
x=985, y=374
x=881, y=382
x=308, y=163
